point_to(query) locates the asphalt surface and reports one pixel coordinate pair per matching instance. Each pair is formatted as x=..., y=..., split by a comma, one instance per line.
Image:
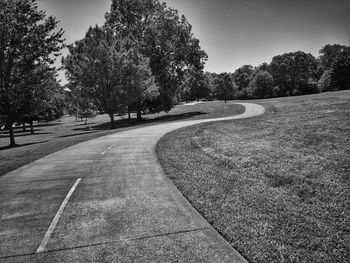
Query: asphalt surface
x=106, y=200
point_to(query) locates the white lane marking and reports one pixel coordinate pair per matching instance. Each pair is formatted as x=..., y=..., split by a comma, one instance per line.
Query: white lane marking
x=54, y=222
x=110, y=147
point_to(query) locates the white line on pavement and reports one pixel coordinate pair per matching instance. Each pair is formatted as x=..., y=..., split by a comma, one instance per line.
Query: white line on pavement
x=110, y=147
x=54, y=222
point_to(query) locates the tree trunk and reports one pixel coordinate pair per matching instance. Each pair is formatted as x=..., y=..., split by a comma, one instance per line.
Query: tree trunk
x=225, y=100
x=129, y=113
x=12, y=137
x=31, y=125
x=138, y=109
x=24, y=126
x=112, y=120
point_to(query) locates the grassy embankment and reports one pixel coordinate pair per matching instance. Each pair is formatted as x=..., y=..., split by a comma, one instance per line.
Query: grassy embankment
x=57, y=135
x=277, y=186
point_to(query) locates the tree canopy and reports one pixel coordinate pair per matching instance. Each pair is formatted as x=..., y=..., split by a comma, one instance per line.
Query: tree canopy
x=165, y=38
x=28, y=40
x=292, y=72
x=110, y=70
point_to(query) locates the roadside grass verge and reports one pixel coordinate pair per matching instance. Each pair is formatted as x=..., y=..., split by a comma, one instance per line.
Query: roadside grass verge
x=53, y=136
x=277, y=186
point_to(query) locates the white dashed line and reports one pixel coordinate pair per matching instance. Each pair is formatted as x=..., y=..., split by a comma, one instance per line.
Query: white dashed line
x=54, y=222
x=110, y=147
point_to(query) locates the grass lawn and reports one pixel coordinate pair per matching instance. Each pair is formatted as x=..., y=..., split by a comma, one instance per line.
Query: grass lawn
x=277, y=186
x=57, y=135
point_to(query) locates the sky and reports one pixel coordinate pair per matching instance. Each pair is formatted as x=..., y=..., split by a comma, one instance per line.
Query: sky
x=232, y=32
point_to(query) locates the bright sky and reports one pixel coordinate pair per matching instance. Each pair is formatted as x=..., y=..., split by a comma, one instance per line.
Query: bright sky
x=232, y=32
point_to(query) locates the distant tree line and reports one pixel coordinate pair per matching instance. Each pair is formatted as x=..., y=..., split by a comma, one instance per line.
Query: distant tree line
x=290, y=74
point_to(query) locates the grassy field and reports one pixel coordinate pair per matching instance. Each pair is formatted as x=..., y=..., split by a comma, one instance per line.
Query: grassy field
x=57, y=135
x=277, y=186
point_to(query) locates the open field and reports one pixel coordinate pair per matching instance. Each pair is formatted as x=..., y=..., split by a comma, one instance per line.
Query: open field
x=276, y=186
x=57, y=135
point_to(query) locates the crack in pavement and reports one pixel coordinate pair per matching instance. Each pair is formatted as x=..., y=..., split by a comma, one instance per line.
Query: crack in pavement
x=106, y=243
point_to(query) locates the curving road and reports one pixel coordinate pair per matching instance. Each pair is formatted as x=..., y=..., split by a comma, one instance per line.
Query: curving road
x=106, y=200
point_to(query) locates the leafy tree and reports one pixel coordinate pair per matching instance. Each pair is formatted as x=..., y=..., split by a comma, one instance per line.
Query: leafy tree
x=245, y=69
x=27, y=39
x=39, y=89
x=225, y=87
x=139, y=85
x=328, y=54
x=292, y=73
x=211, y=82
x=340, y=70
x=112, y=72
x=95, y=63
x=165, y=38
x=262, y=85
x=57, y=103
x=324, y=83
x=78, y=104
x=197, y=86
x=242, y=78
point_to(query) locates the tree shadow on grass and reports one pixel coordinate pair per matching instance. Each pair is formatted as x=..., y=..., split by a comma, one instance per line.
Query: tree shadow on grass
x=125, y=123
x=76, y=134
x=83, y=124
x=20, y=145
x=6, y=135
x=45, y=124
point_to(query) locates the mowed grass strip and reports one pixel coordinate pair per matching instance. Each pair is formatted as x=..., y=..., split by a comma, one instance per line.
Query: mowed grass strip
x=57, y=135
x=277, y=186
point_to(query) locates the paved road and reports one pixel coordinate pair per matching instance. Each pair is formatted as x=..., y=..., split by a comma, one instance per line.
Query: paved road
x=106, y=200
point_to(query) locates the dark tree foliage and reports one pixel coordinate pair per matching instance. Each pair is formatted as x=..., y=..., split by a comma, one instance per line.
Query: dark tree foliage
x=262, y=85
x=292, y=73
x=95, y=63
x=211, y=84
x=78, y=104
x=165, y=38
x=38, y=97
x=111, y=71
x=324, y=83
x=196, y=86
x=340, y=71
x=226, y=88
x=27, y=39
x=328, y=54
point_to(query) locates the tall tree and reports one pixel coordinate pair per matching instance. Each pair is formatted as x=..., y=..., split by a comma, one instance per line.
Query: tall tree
x=262, y=85
x=197, y=86
x=95, y=63
x=165, y=38
x=111, y=70
x=292, y=73
x=340, y=70
x=242, y=78
x=324, y=83
x=139, y=84
x=78, y=104
x=38, y=91
x=226, y=88
x=27, y=38
x=328, y=54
